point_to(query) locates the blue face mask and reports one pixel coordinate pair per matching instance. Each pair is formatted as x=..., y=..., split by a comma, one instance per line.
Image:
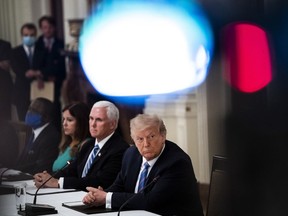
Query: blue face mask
x=33, y=119
x=28, y=40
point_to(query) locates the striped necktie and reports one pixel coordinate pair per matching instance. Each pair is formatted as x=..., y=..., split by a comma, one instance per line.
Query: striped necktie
x=143, y=177
x=90, y=160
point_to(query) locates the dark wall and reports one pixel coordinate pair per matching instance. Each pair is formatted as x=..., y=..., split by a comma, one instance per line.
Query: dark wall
x=256, y=127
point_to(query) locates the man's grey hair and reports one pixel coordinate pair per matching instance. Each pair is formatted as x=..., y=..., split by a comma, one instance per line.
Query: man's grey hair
x=143, y=121
x=112, y=110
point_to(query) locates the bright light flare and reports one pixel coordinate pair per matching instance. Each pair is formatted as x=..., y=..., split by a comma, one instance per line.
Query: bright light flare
x=247, y=58
x=138, y=48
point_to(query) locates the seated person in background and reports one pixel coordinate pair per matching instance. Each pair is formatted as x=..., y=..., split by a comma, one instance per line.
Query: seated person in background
x=99, y=160
x=75, y=122
x=155, y=168
x=42, y=148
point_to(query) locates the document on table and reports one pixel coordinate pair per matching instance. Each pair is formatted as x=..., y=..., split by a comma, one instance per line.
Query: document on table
x=79, y=206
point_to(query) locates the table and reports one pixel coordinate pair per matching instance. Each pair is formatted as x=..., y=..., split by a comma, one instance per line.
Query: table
x=8, y=206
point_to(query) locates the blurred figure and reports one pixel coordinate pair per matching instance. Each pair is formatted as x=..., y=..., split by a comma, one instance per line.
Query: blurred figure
x=155, y=168
x=6, y=83
x=54, y=62
x=75, y=121
x=42, y=148
x=99, y=160
x=8, y=144
x=26, y=62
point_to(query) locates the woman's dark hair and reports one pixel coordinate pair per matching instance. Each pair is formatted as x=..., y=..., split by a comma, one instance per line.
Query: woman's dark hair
x=80, y=111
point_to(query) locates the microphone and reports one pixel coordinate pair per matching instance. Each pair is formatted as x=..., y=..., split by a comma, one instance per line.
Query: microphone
x=128, y=200
x=42, y=209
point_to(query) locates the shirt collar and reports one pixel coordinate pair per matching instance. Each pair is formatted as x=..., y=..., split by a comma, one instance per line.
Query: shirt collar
x=39, y=130
x=49, y=40
x=26, y=48
x=153, y=161
x=102, y=142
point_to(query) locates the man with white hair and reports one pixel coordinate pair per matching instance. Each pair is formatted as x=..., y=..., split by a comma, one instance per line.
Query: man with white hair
x=99, y=160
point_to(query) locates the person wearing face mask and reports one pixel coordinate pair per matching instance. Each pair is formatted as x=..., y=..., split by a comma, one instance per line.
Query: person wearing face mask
x=27, y=62
x=42, y=148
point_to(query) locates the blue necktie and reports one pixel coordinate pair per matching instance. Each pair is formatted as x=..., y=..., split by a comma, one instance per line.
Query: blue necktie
x=90, y=160
x=143, y=177
x=30, y=143
x=30, y=56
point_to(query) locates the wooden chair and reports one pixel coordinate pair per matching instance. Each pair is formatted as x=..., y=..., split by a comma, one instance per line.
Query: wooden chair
x=217, y=204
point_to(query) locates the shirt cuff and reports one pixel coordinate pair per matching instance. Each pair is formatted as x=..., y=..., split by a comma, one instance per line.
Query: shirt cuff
x=61, y=182
x=108, y=204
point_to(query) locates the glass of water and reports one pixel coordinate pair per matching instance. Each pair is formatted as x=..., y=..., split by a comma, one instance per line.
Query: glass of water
x=20, y=195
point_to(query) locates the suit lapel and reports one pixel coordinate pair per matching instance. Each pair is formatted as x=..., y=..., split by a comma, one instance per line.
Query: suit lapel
x=24, y=57
x=103, y=151
x=155, y=171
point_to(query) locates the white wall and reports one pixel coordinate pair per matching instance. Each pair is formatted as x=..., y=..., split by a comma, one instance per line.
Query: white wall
x=73, y=9
x=14, y=13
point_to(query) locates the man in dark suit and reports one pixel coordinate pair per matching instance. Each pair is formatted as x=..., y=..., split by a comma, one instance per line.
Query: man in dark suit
x=54, y=62
x=42, y=148
x=156, y=174
x=26, y=62
x=99, y=160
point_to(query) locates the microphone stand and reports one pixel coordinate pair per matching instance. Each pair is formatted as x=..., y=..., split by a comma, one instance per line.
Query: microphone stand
x=128, y=200
x=5, y=189
x=2, y=174
x=32, y=209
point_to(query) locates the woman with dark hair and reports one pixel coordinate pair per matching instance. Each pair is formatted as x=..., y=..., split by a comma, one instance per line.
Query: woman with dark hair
x=75, y=122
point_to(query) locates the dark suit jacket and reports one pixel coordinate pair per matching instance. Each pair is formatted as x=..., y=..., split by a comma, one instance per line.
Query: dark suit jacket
x=54, y=63
x=174, y=193
x=104, y=169
x=20, y=64
x=43, y=153
x=5, y=48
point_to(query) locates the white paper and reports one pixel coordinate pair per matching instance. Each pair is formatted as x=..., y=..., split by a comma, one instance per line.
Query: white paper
x=46, y=92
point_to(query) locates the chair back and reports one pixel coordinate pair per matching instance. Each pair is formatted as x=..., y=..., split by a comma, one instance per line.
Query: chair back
x=217, y=204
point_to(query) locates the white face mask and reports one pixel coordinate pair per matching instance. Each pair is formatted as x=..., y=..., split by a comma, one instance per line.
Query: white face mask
x=29, y=40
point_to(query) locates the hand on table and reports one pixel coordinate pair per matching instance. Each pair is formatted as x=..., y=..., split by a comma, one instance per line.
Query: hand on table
x=40, y=178
x=95, y=197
